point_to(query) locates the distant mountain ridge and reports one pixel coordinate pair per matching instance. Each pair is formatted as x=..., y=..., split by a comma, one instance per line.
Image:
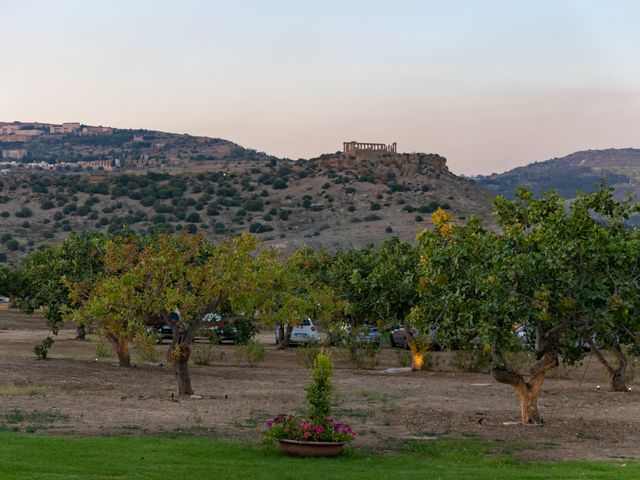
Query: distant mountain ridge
x=584, y=170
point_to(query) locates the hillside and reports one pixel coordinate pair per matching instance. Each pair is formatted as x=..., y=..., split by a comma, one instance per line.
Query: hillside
x=220, y=189
x=584, y=171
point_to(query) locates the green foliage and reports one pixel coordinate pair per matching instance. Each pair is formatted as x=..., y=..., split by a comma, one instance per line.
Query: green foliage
x=204, y=354
x=193, y=217
x=42, y=349
x=150, y=278
x=378, y=286
x=245, y=330
x=404, y=357
x=253, y=204
x=24, y=212
x=145, y=345
x=12, y=245
x=307, y=353
x=253, y=352
x=279, y=184
x=471, y=359
x=46, y=277
x=359, y=354
x=101, y=347
x=559, y=274
x=260, y=228
x=320, y=390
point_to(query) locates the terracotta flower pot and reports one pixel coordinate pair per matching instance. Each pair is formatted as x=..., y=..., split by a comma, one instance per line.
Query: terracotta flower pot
x=310, y=449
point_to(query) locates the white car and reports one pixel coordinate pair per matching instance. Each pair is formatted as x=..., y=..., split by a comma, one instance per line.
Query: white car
x=305, y=333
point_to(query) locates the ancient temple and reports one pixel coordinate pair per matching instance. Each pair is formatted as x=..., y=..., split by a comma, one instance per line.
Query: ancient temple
x=354, y=147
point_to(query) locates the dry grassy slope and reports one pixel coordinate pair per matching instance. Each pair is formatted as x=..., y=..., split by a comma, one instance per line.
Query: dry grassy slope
x=339, y=213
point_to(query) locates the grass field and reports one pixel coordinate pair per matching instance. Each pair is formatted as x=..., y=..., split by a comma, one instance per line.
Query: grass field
x=195, y=457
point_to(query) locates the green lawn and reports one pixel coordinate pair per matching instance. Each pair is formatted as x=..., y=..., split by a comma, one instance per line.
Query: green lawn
x=194, y=457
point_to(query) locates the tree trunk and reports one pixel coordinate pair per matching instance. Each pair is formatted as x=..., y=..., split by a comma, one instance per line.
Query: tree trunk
x=80, y=332
x=181, y=369
x=407, y=332
x=122, y=350
x=417, y=361
x=528, y=392
x=284, y=337
x=618, y=373
x=180, y=351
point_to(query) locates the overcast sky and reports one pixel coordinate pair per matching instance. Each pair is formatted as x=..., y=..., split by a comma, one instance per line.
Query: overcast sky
x=489, y=84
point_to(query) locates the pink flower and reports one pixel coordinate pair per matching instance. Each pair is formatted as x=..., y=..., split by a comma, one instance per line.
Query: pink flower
x=307, y=435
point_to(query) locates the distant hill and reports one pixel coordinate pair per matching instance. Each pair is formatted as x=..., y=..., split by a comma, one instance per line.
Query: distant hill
x=103, y=179
x=584, y=171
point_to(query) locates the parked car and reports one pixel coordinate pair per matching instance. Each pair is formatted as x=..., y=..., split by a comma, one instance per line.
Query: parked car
x=162, y=330
x=228, y=328
x=397, y=337
x=4, y=299
x=368, y=333
x=526, y=337
x=225, y=329
x=212, y=322
x=304, y=333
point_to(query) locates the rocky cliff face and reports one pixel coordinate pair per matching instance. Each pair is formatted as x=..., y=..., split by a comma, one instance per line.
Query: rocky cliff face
x=384, y=165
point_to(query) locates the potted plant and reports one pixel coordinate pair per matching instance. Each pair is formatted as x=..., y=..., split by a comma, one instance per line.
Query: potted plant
x=318, y=434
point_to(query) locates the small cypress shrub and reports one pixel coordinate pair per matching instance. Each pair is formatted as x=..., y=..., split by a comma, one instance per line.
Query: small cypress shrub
x=318, y=393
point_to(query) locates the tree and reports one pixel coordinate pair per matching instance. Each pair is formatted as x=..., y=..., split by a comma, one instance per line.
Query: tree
x=46, y=276
x=542, y=277
x=177, y=280
x=379, y=286
x=115, y=306
x=293, y=293
x=11, y=281
x=614, y=294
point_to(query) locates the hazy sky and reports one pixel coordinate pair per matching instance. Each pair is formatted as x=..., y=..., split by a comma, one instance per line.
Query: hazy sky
x=489, y=84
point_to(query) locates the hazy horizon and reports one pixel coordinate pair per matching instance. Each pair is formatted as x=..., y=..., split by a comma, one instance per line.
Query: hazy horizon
x=490, y=85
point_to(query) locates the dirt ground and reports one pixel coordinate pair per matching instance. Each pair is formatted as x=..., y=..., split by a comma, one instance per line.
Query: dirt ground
x=93, y=396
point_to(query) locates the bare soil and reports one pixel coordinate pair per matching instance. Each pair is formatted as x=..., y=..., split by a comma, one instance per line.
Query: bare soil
x=96, y=397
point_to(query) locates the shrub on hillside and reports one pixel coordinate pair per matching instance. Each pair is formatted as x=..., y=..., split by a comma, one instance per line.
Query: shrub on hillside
x=24, y=212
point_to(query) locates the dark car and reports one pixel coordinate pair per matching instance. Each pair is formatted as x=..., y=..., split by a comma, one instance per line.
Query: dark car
x=227, y=328
x=213, y=326
x=398, y=338
x=162, y=330
x=225, y=331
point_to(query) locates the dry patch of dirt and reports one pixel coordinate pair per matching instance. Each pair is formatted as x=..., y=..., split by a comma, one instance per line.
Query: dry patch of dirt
x=93, y=397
